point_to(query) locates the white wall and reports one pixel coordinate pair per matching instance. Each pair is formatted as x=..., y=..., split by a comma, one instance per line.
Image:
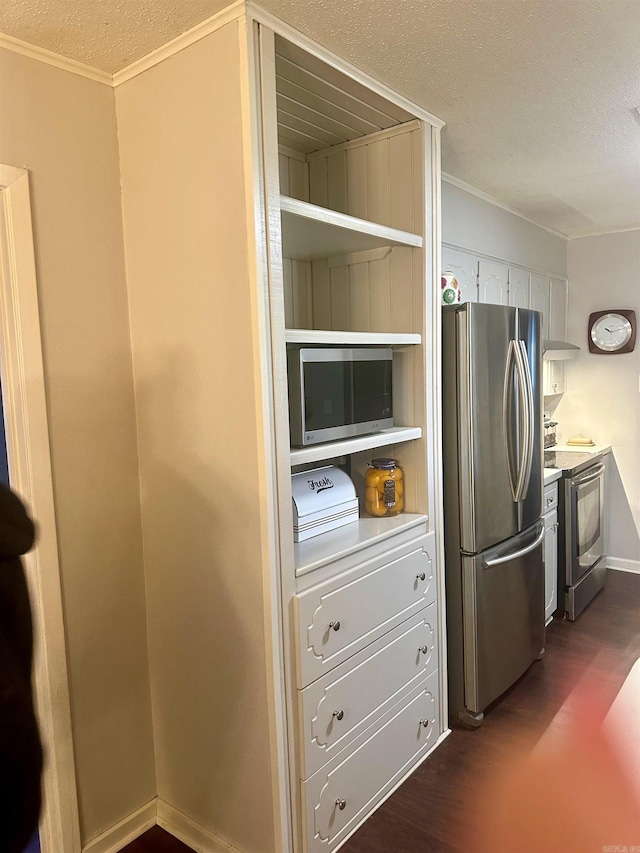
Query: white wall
x=477, y=225
x=603, y=397
x=62, y=128
x=196, y=368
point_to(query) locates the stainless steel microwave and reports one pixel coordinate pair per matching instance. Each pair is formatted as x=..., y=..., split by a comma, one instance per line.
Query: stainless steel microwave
x=338, y=393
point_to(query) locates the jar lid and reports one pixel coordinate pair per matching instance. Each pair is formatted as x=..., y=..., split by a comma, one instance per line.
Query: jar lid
x=385, y=464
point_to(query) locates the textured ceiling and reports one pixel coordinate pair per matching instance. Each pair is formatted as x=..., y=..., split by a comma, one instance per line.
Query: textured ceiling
x=539, y=96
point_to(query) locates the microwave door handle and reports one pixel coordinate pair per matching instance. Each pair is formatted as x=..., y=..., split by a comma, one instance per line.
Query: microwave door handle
x=515, y=555
x=525, y=433
x=506, y=423
x=530, y=416
x=588, y=476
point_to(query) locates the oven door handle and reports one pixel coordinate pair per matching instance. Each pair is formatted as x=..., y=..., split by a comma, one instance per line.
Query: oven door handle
x=517, y=554
x=588, y=476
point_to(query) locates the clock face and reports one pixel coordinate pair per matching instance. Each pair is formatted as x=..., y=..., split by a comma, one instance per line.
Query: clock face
x=611, y=332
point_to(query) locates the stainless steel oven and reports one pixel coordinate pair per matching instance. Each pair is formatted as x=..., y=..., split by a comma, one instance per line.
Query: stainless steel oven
x=583, y=559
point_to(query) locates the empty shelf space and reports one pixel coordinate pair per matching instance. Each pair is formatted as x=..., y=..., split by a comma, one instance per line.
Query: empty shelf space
x=310, y=232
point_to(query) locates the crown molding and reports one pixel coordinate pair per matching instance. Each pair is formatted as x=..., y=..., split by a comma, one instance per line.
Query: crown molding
x=605, y=233
x=50, y=58
x=462, y=185
x=215, y=22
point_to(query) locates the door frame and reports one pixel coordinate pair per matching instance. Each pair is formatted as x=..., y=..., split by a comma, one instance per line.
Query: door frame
x=29, y=457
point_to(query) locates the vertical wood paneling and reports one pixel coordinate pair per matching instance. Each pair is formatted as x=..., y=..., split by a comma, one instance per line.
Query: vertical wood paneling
x=318, y=188
x=294, y=177
x=302, y=295
x=401, y=289
x=401, y=182
x=337, y=181
x=378, y=206
x=283, y=170
x=321, y=295
x=287, y=281
x=357, y=181
x=359, y=297
x=380, y=295
x=340, y=308
x=298, y=179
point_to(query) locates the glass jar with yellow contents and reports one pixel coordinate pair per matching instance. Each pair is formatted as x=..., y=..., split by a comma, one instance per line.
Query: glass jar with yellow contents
x=384, y=481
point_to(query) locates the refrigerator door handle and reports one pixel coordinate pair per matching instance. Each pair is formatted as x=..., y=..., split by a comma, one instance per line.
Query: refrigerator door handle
x=506, y=411
x=529, y=418
x=525, y=422
x=516, y=554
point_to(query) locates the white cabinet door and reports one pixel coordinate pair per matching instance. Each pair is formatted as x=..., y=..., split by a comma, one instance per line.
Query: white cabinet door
x=558, y=290
x=553, y=377
x=539, y=299
x=518, y=288
x=493, y=282
x=550, y=564
x=465, y=268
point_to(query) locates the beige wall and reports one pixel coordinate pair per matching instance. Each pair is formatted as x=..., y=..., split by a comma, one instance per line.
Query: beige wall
x=603, y=397
x=196, y=373
x=62, y=128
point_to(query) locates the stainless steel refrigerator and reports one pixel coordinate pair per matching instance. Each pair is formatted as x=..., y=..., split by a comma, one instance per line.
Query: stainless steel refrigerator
x=493, y=482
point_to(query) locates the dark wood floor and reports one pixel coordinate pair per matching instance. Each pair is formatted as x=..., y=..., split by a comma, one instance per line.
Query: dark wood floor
x=430, y=811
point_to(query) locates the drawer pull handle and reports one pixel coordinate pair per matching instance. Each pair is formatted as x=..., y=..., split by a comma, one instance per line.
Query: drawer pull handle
x=423, y=649
x=338, y=714
x=341, y=804
x=335, y=625
x=424, y=723
x=421, y=576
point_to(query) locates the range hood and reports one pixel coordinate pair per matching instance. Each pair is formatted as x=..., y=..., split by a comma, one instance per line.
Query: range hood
x=559, y=350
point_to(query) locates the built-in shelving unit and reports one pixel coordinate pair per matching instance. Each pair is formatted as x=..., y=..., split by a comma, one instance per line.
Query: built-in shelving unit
x=311, y=232
x=319, y=452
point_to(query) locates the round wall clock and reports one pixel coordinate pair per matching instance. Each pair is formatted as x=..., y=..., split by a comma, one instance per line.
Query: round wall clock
x=612, y=332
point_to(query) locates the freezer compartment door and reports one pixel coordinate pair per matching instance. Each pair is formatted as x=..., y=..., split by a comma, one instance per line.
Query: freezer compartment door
x=503, y=607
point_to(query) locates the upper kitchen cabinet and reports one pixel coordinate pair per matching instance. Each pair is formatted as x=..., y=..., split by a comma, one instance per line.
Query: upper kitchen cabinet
x=518, y=287
x=464, y=267
x=493, y=283
x=539, y=300
x=558, y=296
x=308, y=215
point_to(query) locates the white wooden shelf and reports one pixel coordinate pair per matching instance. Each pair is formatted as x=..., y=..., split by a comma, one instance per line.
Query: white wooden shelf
x=328, y=338
x=310, y=232
x=318, y=452
x=328, y=547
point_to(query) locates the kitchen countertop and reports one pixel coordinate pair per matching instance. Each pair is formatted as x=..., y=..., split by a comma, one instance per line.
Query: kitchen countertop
x=569, y=457
x=551, y=475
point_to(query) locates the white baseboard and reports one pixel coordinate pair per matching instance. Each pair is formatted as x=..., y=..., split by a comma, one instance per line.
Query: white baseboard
x=127, y=830
x=621, y=565
x=191, y=833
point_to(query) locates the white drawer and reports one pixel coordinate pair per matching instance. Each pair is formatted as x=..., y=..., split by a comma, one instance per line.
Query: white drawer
x=550, y=499
x=337, y=707
x=338, y=618
x=340, y=795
